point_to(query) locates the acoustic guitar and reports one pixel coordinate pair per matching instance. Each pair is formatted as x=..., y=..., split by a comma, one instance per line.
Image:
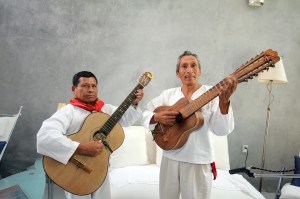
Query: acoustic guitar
x=190, y=118
x=83, y=175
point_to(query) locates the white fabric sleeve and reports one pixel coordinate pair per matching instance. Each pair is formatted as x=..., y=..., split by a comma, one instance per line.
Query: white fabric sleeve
x=149, y=111
x=51, y=138
x=221, y=124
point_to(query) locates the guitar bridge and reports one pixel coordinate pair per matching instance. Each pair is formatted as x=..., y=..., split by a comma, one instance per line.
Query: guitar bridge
x=80, y=165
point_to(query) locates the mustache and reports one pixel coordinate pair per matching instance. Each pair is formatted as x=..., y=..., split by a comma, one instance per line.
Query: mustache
x=189, y=75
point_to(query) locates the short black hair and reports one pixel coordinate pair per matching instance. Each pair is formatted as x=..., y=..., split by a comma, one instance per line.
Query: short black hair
x=187, y=53
x=76, y=77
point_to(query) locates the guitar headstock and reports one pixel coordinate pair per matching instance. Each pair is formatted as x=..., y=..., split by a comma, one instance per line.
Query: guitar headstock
x=256, y=65
x=145, y=78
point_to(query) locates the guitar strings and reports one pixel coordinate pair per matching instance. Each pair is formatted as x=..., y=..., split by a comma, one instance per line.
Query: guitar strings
x=112, y=121
x=204, y=99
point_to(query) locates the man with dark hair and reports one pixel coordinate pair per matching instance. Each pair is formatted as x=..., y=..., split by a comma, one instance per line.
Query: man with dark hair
x=52, y=139
x=77, y=76
x=187, y=170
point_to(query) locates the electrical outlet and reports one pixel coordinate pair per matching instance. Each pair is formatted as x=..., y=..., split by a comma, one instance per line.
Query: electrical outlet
x=244, y=148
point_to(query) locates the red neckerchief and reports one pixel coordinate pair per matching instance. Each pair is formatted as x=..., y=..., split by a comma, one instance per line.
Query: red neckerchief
x=97, y=107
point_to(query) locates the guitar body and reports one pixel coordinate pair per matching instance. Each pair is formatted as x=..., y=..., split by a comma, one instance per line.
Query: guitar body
x=83, y=181
x=174, y=137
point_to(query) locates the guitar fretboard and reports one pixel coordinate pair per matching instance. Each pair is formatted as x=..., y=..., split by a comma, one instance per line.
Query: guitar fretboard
x=116, y=116
x=203, y=99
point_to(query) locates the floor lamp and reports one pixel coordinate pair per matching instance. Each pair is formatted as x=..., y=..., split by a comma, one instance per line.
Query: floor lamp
x=275, y=75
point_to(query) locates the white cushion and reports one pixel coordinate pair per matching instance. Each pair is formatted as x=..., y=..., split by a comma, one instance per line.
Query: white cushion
x=289, y=191
x=151, y=146
x=133, y=151
x=159, y=152
x=220, y=145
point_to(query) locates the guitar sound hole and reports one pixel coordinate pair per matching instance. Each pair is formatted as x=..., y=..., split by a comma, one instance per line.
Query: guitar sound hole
x=99, y=135
x=179, y=118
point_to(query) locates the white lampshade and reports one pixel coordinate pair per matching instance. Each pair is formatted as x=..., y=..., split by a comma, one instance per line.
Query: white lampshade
x=256, y=3
x=275, y=74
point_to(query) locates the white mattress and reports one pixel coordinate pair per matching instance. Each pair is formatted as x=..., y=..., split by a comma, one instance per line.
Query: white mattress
x=136, y=182
x=289, y=191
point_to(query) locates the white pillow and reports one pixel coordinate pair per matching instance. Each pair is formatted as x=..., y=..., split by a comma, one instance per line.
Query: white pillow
x=220, y=145
x=289, y=191
x=151, y=146
x=159, y=152
x=133, y=151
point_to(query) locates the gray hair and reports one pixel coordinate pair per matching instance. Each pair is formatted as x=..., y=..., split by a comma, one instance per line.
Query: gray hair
x=187, y=53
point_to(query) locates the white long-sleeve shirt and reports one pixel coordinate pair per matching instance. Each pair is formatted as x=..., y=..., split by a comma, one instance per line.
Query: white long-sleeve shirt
x=52, y=139
x=198, y=148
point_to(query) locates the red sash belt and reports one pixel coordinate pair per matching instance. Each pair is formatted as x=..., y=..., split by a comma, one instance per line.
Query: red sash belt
x=213, y=169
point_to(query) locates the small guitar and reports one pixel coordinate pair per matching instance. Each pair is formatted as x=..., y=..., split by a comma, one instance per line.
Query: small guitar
x=83, y=175
x=190, y=119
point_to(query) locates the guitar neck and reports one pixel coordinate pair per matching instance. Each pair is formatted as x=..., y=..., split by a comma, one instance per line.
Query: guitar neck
x=116, y=116
x=201, y=101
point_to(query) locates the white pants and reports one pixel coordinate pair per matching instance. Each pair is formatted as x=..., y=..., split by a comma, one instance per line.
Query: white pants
x=102, y=193
x=192, y=181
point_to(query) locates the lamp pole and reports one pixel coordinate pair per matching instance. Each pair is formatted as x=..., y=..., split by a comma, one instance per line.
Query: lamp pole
x=263, y=160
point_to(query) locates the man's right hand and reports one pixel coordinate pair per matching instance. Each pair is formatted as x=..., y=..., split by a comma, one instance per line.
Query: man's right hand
x=165, y=117
x=92, y=148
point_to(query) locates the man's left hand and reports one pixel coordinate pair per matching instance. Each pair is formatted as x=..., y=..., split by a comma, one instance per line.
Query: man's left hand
x=139, y=96
x=228, y=87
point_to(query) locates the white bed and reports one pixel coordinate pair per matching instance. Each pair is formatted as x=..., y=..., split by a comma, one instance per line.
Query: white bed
x=134, y=169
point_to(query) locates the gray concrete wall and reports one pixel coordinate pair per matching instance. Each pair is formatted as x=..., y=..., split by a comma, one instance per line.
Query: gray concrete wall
x=43, y=43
